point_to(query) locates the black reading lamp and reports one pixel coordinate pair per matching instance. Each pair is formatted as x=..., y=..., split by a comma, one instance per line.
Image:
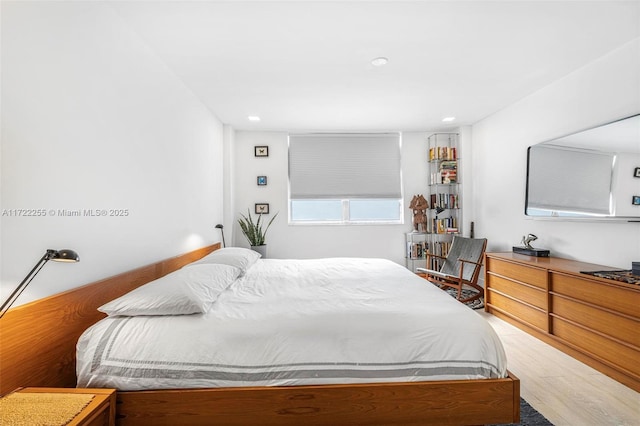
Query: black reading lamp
x=55, y=255
x=221, y=228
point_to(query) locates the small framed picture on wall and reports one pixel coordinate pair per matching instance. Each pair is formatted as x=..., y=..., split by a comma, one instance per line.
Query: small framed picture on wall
x=262, y=180
x=261, y=151
x=635, y=200
x=262, y=208
x=636, y=173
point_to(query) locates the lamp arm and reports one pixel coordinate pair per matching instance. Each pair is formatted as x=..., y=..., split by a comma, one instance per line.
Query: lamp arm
x=221, y=228
x=25, y=282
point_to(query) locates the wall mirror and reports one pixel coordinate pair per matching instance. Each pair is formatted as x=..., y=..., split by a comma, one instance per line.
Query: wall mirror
x=591, y=174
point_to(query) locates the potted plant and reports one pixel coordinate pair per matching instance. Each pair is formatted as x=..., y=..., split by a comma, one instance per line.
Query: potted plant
x=254, y=232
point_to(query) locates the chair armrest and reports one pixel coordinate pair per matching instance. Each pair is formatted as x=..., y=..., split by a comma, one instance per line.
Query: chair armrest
x=471, y=261
x=436, y=255
x=435, y=273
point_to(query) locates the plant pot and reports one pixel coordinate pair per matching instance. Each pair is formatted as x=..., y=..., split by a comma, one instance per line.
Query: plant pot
x=261, y=249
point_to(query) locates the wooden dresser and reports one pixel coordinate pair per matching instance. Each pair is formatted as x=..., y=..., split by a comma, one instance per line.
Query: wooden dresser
x=593, y=319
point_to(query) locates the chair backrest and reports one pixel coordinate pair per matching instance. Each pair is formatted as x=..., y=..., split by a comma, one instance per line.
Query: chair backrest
x=471, y=249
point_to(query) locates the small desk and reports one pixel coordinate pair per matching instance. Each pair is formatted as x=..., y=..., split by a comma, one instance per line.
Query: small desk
x=101, y=411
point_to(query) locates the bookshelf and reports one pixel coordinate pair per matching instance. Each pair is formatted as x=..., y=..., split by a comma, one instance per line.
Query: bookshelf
x=444, y=214
x=445, y=208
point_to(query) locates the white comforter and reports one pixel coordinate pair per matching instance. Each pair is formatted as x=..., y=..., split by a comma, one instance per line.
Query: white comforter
x=295, y=322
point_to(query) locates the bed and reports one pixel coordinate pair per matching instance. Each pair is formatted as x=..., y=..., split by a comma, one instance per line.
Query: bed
x=387, y=386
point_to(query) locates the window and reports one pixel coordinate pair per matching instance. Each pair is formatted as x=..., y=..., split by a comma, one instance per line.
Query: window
x=345, y=178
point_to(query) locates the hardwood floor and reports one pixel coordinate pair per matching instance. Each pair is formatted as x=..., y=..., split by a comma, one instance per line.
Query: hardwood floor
x=564, y=390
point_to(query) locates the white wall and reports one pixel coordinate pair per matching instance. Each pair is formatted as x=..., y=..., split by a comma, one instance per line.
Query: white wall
x=603, y=91
x=229, y=215
x=305, y=241
x=92, y=119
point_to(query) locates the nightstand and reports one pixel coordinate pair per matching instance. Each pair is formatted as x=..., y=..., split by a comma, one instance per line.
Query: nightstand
x=101, y=411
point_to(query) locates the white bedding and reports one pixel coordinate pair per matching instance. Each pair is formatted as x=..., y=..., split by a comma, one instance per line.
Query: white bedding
x=295, y=322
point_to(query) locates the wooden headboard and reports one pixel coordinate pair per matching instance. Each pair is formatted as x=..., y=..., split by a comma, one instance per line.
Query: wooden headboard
x=38, y=339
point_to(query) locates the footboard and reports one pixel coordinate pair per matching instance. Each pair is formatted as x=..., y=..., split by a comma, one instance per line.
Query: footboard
x=460, y=402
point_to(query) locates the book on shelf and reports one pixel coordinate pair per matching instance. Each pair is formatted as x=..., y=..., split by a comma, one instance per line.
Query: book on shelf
x=417, y=250
x=443, y=177
x=449, y=172
x=438, y=248
x=444, y=226
x=444, y=200
x=442, y=153
x=448, y=201
x=448, y=176
x=451, y=165
x=453, y=201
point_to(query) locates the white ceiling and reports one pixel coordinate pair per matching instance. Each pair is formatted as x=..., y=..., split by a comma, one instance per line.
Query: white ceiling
x=304, y=65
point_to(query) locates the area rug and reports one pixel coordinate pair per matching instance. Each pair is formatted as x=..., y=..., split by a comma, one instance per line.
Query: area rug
x=473, y=304
x=529, y=416
x=624, y=276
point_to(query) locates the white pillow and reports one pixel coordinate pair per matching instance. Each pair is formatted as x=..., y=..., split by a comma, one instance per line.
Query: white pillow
x=239, y=257
x=183, y=292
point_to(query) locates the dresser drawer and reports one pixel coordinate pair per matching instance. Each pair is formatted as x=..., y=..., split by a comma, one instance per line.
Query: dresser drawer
x=617, y=326
x=618, y=299
x=614, y=353
x=532, y=295
x=527, y=314
x=534, y=276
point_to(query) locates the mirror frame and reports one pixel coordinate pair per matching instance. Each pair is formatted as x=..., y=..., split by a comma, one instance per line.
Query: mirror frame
x=625, y=149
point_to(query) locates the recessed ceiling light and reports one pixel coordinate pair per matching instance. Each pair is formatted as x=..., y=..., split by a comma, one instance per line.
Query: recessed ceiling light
x=253, y=118
x=378, y=62
x=448, y=119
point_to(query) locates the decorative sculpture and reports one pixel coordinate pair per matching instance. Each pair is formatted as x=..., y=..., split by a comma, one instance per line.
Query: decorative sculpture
x=526, y=240
x=419, y=206
x=528, y=250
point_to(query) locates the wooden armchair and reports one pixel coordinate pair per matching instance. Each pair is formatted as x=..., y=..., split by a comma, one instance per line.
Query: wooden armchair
x=460, y=268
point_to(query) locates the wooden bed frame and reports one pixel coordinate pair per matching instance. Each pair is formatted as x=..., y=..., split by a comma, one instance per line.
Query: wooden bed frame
x=37, y=348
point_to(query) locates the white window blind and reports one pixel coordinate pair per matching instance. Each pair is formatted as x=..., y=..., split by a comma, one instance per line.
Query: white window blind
x=344, y=166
